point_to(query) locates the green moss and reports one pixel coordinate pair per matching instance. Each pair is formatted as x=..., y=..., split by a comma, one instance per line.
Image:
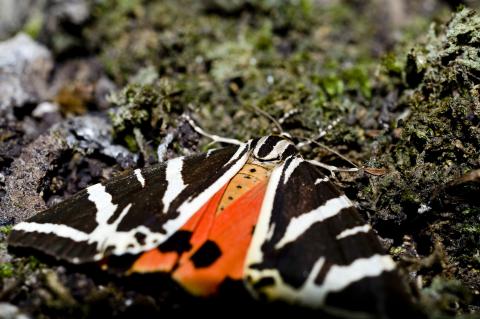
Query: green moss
x=136, y=104
x=34, y=24
x=392, y=64
x=5, y=230
x=436, y=146
x=32, y=263
x=444, y=297
x=269, y=62
x=6, y=270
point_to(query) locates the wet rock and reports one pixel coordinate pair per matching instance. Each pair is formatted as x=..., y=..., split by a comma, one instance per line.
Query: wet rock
x=24, y=69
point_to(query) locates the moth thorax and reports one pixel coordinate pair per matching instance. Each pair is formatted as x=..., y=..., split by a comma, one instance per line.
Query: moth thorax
x=273, y=149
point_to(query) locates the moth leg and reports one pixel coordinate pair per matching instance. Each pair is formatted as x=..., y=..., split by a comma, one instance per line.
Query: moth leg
x=332, y=168
x=213, y=137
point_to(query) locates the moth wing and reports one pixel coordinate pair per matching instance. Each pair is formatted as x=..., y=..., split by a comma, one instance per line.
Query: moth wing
x=311, y=247
x=210, y=249
x=130, y=214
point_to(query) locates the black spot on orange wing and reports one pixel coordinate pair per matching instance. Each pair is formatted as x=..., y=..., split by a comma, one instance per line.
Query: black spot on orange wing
x=206, y=255
x=179, y=242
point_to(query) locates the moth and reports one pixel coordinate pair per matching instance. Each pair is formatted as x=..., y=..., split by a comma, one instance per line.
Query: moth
x=256, y=212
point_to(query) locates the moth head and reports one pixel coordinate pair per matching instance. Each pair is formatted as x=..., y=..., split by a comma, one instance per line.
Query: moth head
x=273, y=149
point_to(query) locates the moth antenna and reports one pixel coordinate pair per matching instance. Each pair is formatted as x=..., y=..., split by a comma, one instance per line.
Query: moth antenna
x=332, y=169
x=321, y=133
x=288, y=115
x=271, y=118
x=213, y=137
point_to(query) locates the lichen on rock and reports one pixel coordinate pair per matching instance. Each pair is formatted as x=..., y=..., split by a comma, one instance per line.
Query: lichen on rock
x=427, y=189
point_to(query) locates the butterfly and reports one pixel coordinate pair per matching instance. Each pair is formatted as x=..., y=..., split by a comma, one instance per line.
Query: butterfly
x=256, y=212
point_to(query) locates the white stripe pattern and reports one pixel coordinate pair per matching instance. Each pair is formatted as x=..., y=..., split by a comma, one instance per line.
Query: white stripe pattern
x=340, y=277
x=313, y=294
x=291, y=167
x=260, y=143
x=279, y=148
x=276, y=152
x=298, y=225
x=192, y=205
x=140, y=178
x=354, y=230
x=57, y=229
x=98, y=195
x=322, y=180
x=175, y=185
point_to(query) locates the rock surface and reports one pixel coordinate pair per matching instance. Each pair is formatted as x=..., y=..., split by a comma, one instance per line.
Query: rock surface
x=9, y=311
x=13, y=14
x=24, y=69
x=85, y=135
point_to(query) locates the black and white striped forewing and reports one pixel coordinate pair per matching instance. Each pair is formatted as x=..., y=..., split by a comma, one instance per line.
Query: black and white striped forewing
x=311, y=247
x=133, y=213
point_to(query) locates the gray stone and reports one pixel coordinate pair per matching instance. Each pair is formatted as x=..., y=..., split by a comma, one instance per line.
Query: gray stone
x=24, y=69
x=9, y=311
x=13, y=14
x=95, y=133
x=74, y=11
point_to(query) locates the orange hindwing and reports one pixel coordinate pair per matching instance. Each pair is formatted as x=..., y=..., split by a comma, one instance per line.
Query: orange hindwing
x=218, y=236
